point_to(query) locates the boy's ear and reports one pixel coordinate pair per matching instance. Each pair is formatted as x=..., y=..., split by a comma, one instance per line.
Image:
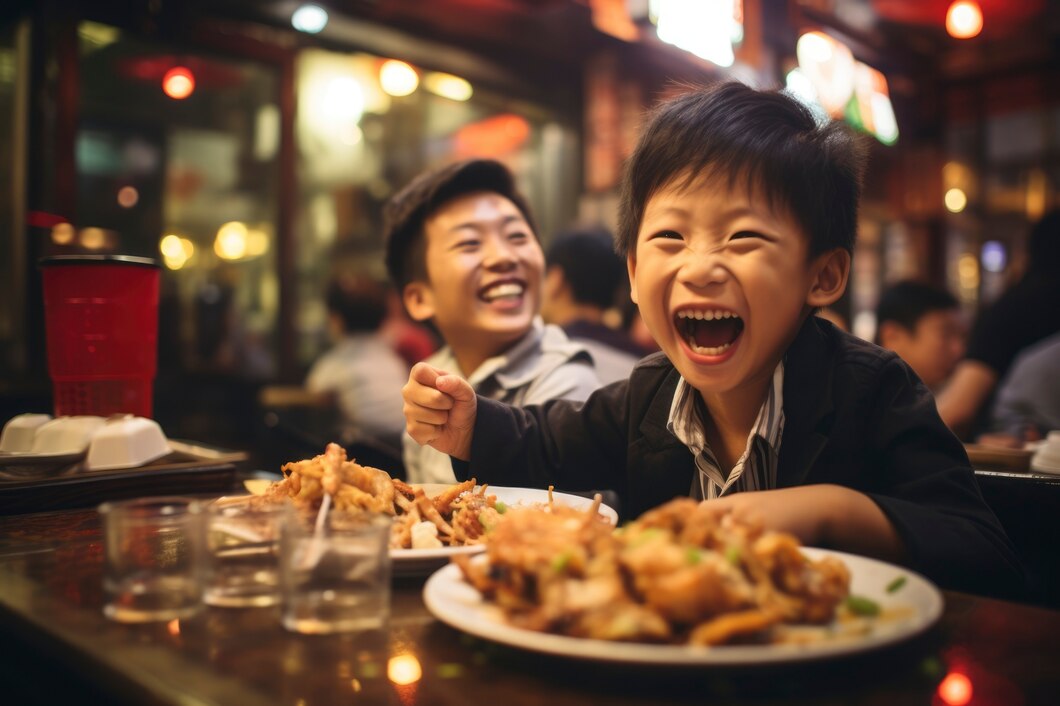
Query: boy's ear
x=419, y=300
x=631, y=267
x=832, y=270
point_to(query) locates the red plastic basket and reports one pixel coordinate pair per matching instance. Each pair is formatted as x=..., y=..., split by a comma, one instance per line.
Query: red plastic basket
x=101, y=320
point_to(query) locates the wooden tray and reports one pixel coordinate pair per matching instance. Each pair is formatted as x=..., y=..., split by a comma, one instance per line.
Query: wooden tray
x=36, y=488
x=999, y=459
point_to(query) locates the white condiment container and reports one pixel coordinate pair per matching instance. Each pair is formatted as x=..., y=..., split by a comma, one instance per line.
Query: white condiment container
x=65, y=435
x=19, y=432
x=126, y=442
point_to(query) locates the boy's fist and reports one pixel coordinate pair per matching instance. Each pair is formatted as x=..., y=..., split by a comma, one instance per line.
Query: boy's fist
x=440, y=410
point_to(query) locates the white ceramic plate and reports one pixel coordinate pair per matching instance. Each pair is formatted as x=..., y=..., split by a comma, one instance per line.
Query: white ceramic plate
x=416, y=562
x=419, y=562
x=918, y=602
x=32, y=458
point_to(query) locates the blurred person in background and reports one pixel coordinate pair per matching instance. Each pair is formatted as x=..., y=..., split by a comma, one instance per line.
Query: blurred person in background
x=361, y=369
x=1025, y=314
x=1028, y=400
x=923, y=325
x=462, y=250
x=583, y=277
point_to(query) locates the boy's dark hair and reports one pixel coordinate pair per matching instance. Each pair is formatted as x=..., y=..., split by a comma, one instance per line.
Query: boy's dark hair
x=769, y=140
x=589, y=264
x=409, y=209
x=907, y=302
x=359, y=301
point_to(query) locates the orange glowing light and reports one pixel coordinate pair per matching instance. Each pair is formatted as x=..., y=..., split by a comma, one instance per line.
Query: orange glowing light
x=173, y=627
x=964, y=19
x=497, y=135
x=178, y=83
x=404, y=669
x=955, y=689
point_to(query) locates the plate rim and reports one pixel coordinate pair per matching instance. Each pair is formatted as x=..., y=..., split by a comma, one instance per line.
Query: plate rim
x=442, y=554
x=632, y=653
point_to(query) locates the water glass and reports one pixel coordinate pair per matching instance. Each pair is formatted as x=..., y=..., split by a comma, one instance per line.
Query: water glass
x=335, y=578
x=241, y=554
x=151, y=565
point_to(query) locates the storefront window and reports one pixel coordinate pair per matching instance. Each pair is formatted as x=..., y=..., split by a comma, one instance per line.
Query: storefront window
x=13, y=90
x=177, y=159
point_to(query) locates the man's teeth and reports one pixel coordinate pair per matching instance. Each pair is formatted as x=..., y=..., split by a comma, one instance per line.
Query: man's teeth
x=706, y=315
x=508, y=289
x=703, y=350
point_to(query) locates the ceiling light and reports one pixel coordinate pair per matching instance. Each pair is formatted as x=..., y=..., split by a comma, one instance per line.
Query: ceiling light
x=310, y=19
x=964, y=19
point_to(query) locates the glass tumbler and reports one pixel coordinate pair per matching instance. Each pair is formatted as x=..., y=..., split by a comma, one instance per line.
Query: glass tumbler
x=151, y=564
x=241, y=554
x=337, y=578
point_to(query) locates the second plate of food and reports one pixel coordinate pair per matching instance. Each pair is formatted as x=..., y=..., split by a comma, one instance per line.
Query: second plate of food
x=417, y=562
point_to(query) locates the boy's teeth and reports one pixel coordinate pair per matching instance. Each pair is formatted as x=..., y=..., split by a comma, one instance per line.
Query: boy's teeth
x=706, y=314
x=717, y=350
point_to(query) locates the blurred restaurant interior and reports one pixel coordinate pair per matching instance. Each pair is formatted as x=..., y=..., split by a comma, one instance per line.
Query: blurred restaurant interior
x=249, y=146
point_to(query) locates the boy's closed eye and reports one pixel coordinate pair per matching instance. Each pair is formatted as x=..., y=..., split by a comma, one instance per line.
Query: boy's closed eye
x=750, y=235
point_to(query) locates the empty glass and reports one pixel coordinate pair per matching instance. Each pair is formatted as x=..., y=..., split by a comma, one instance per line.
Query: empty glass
x=241, y=555
x=337, y=580
x=151, y=566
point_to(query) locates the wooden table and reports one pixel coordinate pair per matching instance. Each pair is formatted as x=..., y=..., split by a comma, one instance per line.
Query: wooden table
x=56, y=647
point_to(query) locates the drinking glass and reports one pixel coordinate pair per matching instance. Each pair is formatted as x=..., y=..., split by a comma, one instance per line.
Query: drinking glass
x=151, y=567
x=335, y=578
x=241, y=554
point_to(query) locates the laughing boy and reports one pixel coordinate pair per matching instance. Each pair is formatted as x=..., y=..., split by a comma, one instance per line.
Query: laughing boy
x=737, y=220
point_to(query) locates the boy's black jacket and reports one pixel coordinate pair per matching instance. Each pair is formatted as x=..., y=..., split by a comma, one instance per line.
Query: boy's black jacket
x=855, y=415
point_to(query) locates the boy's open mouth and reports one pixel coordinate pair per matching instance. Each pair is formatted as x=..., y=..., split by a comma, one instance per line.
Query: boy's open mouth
x=505, y=291
x=708, y=331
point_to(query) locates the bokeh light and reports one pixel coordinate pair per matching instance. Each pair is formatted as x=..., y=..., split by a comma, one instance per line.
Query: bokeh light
x=178, y=83
x=398, y=78
x=993, y=256
x=176, y=251
x=128, y=196
x=93, y=238
x=404, y=669
x=448, y=86
x=231, y=241
x=955, y=200
x=310, y=19
x=964, y=19
x=63, y=234
x=955, y=689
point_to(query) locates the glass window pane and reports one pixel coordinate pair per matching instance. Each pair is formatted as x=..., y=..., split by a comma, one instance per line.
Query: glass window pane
x=189, y=180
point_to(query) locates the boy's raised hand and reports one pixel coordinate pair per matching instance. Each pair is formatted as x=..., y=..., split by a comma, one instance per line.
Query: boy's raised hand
x=440, y=410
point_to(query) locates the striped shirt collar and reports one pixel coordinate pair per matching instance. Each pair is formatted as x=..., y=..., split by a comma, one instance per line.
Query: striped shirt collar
x=756, y=469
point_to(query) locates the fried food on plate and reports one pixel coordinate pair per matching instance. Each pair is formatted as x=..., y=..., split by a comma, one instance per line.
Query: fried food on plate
x=682, y=573
x=460, y=514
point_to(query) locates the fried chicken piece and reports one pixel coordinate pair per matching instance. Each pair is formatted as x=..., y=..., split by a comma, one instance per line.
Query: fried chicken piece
x=729, y=626
x=816, y=587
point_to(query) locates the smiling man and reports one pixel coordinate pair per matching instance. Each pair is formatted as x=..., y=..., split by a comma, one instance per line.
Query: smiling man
x=462, y=250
